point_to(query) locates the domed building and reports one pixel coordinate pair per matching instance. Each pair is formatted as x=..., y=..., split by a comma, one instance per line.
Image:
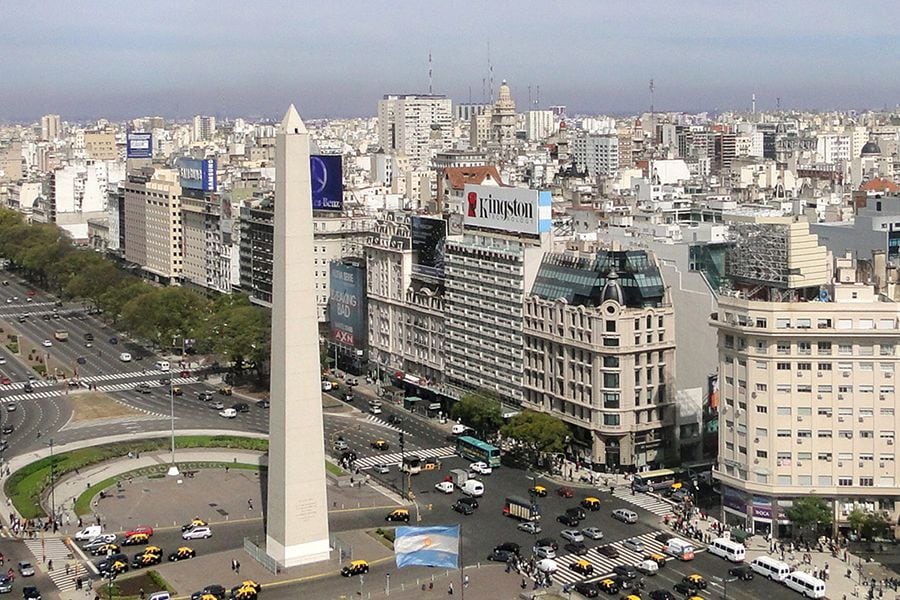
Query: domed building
x=503, y=118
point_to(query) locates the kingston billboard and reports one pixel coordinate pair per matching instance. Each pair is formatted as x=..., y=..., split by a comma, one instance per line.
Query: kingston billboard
x=508, y=209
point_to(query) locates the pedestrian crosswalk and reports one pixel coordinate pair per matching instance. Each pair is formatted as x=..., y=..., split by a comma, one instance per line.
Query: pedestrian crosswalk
x=603, y=565
x=124, y=387
x=367, y=462
x=382, y=423
x=652, y=504
x=116, y=387
x=53, y=552
x=128, y=375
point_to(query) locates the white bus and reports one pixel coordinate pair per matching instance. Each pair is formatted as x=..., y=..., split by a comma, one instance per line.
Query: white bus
x=728, y=549
x=806, y=584
x=770, y=568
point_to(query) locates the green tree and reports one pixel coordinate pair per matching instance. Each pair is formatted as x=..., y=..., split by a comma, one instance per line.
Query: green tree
x=809, y=513
x=238, y=331
x=480, y=411
x=868, y=525
x=537, y=433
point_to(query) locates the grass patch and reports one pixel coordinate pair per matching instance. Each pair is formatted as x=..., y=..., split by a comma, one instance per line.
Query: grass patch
x=334, y=469
x=26, y=485
x=384, y=535
x=13, y=347
x=91, y=406
x=83, y=502
x=129, y=587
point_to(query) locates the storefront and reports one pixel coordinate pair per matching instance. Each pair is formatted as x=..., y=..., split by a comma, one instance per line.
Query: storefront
x=759, y=514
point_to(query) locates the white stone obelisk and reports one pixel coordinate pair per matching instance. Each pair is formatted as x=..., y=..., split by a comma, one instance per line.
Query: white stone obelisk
x=297, y=509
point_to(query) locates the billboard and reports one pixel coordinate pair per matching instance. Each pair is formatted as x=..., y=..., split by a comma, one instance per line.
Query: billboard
x=140, y=145
x=428, y=238
x=327, y=176
x=347, y=304
x=198, y=174
x=517, y=210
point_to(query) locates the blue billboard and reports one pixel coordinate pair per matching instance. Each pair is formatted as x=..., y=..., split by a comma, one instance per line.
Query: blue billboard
x=198, y=174
x=327, y=176
x=347, y=304
x=429, y=236
x=140, y=145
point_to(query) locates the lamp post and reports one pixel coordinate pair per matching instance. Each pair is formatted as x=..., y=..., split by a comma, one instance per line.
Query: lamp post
x=173, y=468
x=725, y=581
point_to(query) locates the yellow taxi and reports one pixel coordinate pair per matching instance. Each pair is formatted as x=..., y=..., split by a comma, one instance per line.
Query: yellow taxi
x=136, y=539
x=105, y=549
x=209, y=597
x=695, y=580
x=226, y=390
x=631, y=597
x=398, y=514
x=357, y=567
x=183, y=553
x=609, y=586
x=177, y=391
x=119, y=566
x=195, y=522
x=538, y=490
x=248, y=590
x=591, y=503
x=251, y=584
x=656, y=557
x=380, y=445
x=146, y=560
x=152, y=550
x=582, y=566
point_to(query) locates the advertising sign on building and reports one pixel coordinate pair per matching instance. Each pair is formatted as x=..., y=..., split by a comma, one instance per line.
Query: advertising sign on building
x=327, y=176
x=428, y=239
x=347, y=304
x=198, y=174
x=516, y=210
x=140, y=145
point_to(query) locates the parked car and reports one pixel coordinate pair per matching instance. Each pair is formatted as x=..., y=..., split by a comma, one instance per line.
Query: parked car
x=565, y=492
x=633, y=544
x=25, y=569
x=544, y=552
x=572, y=535
x=608, y=551
x=576, y=548
x=743, y=572
x=444, y=486
x=197, y=533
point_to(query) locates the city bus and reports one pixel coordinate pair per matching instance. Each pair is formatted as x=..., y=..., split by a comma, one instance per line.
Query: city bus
x=659, y=479
x=475, y=450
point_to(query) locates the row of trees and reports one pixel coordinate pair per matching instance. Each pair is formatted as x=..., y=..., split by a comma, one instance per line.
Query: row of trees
x=815, y=515
x=229, y=326
x=535, y=434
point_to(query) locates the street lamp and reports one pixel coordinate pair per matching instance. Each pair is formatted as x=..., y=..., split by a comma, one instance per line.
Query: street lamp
x=52, y=485
x=725, y=581
x=173, y=468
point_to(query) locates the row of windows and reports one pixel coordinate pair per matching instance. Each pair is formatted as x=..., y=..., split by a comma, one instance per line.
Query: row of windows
x=827, y=411
x=807, y=322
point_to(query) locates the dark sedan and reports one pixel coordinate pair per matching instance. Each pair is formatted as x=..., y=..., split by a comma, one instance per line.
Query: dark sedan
x=568, y=520
x=588, y=590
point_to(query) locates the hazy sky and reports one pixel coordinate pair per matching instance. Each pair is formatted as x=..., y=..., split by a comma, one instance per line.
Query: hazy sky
x=336, y=58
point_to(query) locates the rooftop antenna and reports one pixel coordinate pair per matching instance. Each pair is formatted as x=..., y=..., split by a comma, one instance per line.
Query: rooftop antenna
x=529, y=95
x=470, y=94
x=483, y=89
x=430, y=80
x=537, y=101
x=652, y=114
x=778, y=104
x=490, y=73
x=753, y=104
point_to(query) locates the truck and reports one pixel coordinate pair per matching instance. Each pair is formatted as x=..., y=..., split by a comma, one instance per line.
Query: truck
x=521, y=508
x=61, y=335
x=459, y=476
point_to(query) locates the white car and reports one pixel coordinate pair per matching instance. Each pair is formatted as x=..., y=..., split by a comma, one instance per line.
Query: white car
x=572, y=535
x=547, y=565
x=46, y=343
x=625, y=515
x=197, y=533
x=634, y=544
x=326, y=386
x=382, y=468
x=482, y=468
x=2, y=361
x=228, y=413
x=458, y=429
x=529, y=527
x=592, y=532
x=444, y=486
x=648, y=567
x=125, y=357
x=217, y=405
x=544, y=552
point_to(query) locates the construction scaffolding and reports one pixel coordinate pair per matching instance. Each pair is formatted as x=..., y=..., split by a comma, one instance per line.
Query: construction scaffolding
x=759, y=255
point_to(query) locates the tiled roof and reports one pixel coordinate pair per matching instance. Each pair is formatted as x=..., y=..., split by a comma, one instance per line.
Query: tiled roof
x=880, y=184
x=460, y=176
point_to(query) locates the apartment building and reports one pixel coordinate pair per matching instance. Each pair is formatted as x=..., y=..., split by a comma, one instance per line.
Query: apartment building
x=414, y=124
x=600, y=355
x=153, y=223
x=807, y=363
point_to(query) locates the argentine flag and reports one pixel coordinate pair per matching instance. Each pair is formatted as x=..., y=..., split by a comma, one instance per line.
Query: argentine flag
x=427, y=546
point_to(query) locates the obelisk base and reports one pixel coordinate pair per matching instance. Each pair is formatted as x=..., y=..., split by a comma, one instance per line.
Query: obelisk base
x=298, y=554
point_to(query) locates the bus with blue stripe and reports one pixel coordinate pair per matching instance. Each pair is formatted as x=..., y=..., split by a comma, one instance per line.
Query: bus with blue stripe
x=475, y=450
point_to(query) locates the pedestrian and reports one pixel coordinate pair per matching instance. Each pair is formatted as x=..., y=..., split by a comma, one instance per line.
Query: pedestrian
x=237, y=567
x=50, y=565
x=233, y=561
x=465, y=581
x=250, y=504
x=141, y=594
x=450, y=589
x=524, y=584
x=67, y=568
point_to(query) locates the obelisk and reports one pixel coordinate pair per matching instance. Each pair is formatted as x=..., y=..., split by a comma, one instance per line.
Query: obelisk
x=297, y=517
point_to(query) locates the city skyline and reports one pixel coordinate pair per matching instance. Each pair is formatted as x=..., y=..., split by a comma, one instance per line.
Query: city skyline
x=177, y=60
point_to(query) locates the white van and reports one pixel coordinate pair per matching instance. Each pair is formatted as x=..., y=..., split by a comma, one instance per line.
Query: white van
x=161, y=365
x=728, y=549
x=125, y=357
x=770, y=568
x=472, y=487
x=680, y=549
x=89, y=532
x=806, y=584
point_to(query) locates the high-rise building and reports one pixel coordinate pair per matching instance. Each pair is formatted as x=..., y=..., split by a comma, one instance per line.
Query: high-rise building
x=207, y=244
x=538, y=125
x=153, y=223
x=411, y=124
x=100, y=146
x=600, y=355
x=204, y=128
x=597, y=153
x=503, y=118
x=51, y=128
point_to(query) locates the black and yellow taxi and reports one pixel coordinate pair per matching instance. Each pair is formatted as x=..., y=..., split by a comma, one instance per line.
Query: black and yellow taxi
x=591, y=503
x=631, y=597
x=177, y=391
x=153, y=550
x=136, y=539
x=538, y=490
x=398, y=514
x=195, y=522
x=610, y=586
x=582, y=566
x=656, y=557
x=183, y=553
x=145, y=559
x=105, y=549
x=357, y=567
x=114, y=567
x=380, y=445
x=247, y=590
x=695, y=580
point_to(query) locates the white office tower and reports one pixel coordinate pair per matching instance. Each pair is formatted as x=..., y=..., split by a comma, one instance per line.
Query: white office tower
x=297, y=517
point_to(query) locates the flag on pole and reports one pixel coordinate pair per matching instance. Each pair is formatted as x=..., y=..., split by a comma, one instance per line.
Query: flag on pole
x=427, y=546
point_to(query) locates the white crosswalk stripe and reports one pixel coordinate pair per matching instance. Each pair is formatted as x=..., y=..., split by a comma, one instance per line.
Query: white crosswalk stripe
x=56, y=550
x=124, y=387
x=603, y=565
x=652, y=504
x=33, y=396
x=382, y=423
x=367, y=462
x=128, y=375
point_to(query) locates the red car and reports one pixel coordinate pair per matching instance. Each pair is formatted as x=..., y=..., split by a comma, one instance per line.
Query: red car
x=565, y=492
x=145, y=529
x=5, y=380
x=31, y=292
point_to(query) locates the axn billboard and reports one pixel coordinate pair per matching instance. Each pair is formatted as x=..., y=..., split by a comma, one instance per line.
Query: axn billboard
x=327, y=177
x=140, y=145
x=347, y=304
x=517, y=210
x=198, y=174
